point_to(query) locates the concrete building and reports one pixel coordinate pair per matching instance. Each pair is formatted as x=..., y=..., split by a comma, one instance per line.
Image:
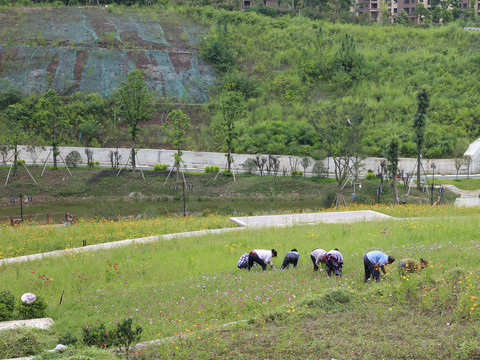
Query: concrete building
x=378, y=8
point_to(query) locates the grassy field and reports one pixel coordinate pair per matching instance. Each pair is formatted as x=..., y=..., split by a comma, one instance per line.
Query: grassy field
x=189, y=295
x=462, y=183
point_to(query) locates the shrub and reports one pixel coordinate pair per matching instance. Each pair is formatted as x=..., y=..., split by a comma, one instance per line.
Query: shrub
x=250, y=166
x=8, y=299
x=20, y=162
x=227, y=173
x=5, y=314
x=97, y=336
x=370, y=176
x=212, y=169
x=73, y=159
x=207, y=212
x=328, y=200
x=125, y=335
x=296, y=173
x=33, y=310
x=67, y=339
x=216, y=50
x=361, y=199
x=319, y=169
x=160, y=167
x=226, y=210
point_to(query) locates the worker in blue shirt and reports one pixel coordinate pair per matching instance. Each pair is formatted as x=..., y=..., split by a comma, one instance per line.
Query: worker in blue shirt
x=373, y=261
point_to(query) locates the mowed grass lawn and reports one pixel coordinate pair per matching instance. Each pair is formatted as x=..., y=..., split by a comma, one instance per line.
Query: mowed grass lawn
x=188, y=294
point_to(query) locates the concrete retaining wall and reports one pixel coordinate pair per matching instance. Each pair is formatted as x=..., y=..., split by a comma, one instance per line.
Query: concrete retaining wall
x=199, y=160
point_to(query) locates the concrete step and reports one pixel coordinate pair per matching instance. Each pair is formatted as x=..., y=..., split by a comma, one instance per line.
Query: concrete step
x=467, y=201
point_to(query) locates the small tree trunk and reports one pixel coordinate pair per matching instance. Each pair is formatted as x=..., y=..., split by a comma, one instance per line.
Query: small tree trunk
x=133, y=156
x=395, y=190
x=419, y=159
x=15, y=159
x=229, y=158
x=177, y=164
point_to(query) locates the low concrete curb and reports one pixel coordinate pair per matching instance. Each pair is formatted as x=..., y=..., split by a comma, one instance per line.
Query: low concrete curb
x=293, y=219
x=42, y=323
x=112, y=245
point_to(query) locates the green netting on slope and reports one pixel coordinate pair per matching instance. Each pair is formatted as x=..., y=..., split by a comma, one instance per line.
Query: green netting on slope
x=49, y=25
x=104, y=71
x=72, y=49
x=64, y=80
x=148, y=31
x=36, y=69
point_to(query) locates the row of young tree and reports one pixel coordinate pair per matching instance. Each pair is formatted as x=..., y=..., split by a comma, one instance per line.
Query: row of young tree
x=343, y=129
x=49, y=121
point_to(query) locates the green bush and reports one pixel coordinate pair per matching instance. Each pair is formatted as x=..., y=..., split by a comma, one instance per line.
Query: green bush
x=227, y=172
x=125, y=335
x=319, y=169
x=328, y=199
x=7, y=299
x=67, y=339
x=250, y=166
x=5, y=314
x=160, y=167
x=33, y=310
x=361, y=199
x=216, y=50
x=370, y=176
x=73, y=159
x=97, y=336
x=226, y=210
x=296, y=173
x=212, y=169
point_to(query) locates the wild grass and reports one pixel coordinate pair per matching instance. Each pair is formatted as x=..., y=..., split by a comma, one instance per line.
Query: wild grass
x=187, y=290
x=32, y=239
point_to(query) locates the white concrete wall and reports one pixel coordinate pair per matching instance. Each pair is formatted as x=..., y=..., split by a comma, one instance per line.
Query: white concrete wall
x=199, y=160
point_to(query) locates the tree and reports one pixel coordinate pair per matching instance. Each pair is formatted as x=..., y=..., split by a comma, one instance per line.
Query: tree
x=423, y=13
x=231, y=108
x=423, y=102
x=175, y=127
x=134, y=103
x=49, y=111
x=458, y=150
x=468, y=161
x=393, y=150
x=341, y=131
x=15, y=131
x=306, y=162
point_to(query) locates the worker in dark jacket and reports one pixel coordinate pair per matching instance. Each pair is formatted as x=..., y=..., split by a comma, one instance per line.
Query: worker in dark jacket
x=291, y=257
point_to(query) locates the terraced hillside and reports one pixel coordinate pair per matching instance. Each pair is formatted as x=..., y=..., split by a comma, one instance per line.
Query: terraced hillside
x=92, y=50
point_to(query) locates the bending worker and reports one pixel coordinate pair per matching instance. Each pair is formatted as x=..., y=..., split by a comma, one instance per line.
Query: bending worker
x=261, y=257
x=317, y=256
x=373, y=261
